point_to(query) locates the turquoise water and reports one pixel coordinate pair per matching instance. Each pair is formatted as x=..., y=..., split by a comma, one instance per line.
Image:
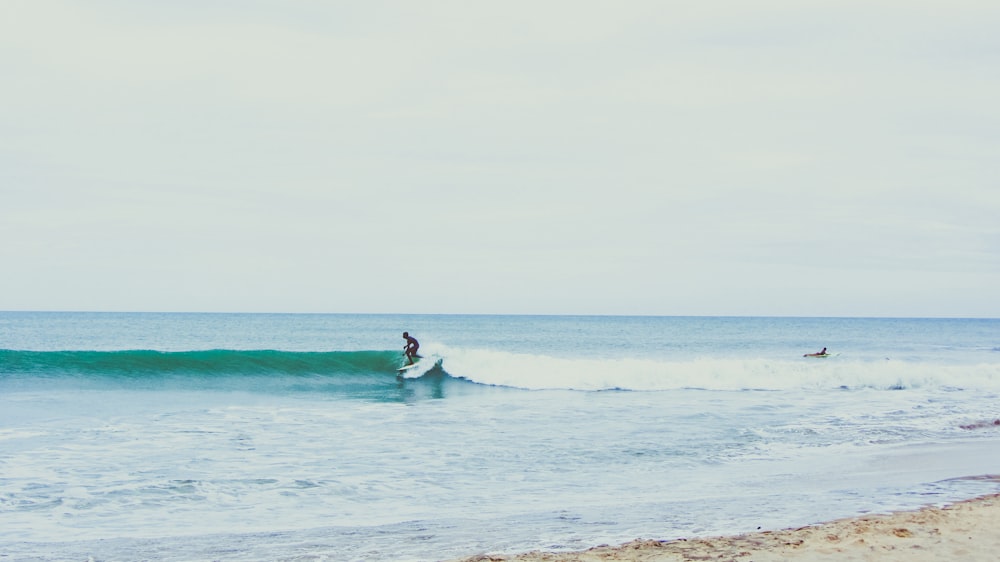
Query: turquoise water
x=263, y=436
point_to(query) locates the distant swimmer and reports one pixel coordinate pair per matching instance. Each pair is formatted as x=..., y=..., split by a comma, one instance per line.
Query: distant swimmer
x=822, y=353
x=977, y=425
x=412, y=346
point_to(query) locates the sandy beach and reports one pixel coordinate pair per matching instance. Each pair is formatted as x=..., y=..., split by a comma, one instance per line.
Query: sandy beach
x=966, y=530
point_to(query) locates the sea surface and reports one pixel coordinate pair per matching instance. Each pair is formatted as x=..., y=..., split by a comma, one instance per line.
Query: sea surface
x=146, y=436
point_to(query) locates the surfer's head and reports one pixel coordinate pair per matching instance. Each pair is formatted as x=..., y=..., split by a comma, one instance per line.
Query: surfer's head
x=406, y=334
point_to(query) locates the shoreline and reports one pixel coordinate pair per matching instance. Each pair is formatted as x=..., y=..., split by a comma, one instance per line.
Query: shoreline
x=963, y=530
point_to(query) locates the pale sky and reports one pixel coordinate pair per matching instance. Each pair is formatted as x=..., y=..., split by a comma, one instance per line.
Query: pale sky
x=785, y=157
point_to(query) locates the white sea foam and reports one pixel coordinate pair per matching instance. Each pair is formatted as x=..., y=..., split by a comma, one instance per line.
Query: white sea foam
x=538, y=372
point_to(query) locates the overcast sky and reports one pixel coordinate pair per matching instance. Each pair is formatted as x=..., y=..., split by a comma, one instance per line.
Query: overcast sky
x=787, y=157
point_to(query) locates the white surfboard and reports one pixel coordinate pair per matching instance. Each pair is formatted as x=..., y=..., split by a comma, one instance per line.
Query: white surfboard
x=405, y=368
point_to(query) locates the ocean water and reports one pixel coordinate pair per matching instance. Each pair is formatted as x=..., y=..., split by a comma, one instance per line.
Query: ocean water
x=290, y=437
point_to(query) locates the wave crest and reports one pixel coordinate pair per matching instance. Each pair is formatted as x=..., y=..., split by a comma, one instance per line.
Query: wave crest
x=539, y=372
x=207, y=363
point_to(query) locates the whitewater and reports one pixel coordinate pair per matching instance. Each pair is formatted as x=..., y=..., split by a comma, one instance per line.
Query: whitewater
x=267, y=436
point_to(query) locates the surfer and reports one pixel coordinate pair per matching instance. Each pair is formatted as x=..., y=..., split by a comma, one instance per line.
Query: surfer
x=820, y=354
x=412, y=346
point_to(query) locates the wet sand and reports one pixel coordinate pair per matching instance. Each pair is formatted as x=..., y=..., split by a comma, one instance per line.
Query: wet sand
x=967, y=530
